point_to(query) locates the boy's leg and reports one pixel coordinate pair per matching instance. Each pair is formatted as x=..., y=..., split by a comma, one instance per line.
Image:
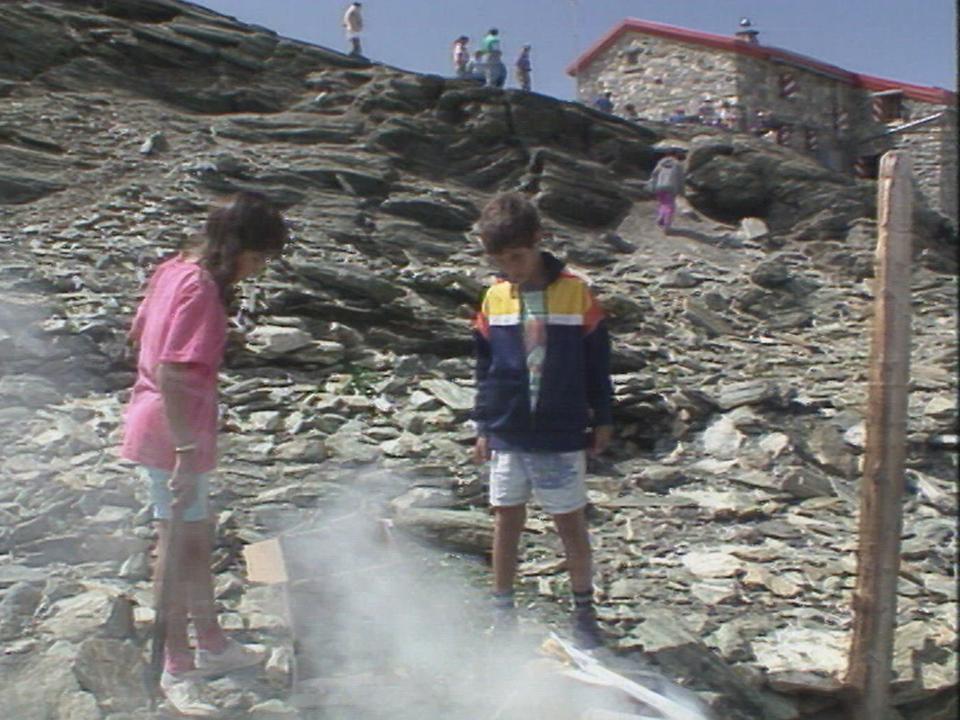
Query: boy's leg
x=572, y=528
x=559, y=484
x=509, y=492
x=507, y=526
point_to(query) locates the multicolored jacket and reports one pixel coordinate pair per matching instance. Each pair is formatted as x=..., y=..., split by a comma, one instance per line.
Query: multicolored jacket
x=575, y=389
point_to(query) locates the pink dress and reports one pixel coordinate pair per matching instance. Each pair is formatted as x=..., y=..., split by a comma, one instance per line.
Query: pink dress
x=181, y=320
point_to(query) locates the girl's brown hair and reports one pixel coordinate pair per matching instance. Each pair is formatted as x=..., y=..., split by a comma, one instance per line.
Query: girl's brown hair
x=245, y=221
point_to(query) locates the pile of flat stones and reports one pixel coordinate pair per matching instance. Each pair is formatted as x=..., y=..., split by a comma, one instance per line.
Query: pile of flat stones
x=723, y=519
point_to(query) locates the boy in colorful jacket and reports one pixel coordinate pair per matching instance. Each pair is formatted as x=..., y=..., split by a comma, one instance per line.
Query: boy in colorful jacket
x=543, y=381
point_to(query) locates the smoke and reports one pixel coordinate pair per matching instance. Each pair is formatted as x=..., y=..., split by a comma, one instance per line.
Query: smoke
x=385, y=629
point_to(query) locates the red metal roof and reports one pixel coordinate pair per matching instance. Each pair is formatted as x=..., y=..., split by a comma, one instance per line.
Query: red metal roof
x=732, y=44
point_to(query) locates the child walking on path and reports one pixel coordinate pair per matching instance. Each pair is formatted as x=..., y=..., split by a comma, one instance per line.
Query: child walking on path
x=170, y=427
x=667, y=182
x=543, y=380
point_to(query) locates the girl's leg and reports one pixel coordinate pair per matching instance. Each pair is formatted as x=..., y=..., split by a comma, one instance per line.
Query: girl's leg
x=178, y=656
x=203, y=612
x=661, y=208
x=671, y=206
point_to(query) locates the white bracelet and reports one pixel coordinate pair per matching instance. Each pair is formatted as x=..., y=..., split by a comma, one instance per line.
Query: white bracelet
x=185, y=449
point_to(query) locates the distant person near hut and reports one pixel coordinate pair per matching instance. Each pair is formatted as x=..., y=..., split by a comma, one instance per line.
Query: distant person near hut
x=461, y=56
x=524, y=68
x=604, y=103
x=353, y=26
x=630, y=112
x=667, y=182
x=678, y=115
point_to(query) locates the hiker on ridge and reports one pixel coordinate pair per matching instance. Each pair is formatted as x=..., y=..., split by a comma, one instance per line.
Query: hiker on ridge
x=353, y=26
x=477, y=68
x=524, y=68
x=461, y=56
x=493, y=57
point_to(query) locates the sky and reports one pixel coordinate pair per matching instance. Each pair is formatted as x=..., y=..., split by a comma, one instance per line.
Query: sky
x=909, y=40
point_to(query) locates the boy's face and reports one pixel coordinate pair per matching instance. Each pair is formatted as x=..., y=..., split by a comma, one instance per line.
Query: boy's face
x=520, y=265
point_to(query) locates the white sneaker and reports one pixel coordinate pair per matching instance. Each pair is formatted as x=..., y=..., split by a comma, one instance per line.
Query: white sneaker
x=183, y=694
x=233, y=657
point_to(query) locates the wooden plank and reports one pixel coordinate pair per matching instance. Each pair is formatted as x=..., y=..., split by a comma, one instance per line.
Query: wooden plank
x=881, y=491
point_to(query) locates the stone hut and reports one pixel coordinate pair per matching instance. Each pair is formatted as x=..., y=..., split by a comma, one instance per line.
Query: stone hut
x=846, y=120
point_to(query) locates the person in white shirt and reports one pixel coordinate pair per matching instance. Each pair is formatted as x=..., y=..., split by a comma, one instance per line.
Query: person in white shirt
x=353, y=25
x=461, y=56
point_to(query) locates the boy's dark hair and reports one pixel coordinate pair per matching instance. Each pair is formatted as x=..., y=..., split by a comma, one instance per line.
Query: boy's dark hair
x=244, y=221
x=508, y=221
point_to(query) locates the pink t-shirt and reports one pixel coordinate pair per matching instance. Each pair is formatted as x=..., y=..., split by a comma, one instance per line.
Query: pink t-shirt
x=181, y=320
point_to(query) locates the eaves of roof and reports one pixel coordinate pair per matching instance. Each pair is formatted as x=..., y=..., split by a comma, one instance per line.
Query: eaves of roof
x=923, y=93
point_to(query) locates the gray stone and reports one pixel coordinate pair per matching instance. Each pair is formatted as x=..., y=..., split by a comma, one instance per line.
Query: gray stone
x=454, y=396
x=752, y=229
x=113, y=671
x=722, y=439
x=803, y=483
x=455, y=529
x=17, y=606
x=772, y=273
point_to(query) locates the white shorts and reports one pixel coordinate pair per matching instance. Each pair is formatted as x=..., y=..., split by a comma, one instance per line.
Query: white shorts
x=555, y=479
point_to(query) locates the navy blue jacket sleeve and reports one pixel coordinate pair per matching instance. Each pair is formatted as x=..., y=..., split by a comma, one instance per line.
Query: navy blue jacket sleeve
x=596, y=351
x=482, y=358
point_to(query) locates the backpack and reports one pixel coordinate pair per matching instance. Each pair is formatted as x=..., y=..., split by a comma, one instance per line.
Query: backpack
x=669, y=177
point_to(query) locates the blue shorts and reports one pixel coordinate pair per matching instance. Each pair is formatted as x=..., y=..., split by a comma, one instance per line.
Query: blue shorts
x=557, y=480
x=161, y=498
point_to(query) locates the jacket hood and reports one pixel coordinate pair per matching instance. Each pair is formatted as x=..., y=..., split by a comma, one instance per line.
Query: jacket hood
x=553, y=265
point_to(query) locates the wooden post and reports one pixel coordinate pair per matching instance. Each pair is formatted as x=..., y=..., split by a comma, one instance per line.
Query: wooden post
x=881, y=490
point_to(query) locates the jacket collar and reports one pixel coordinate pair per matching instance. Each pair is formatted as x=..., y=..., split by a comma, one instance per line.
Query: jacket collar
x=552, y=266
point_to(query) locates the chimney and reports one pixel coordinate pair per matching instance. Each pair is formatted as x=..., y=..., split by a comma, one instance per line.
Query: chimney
x=746, y=33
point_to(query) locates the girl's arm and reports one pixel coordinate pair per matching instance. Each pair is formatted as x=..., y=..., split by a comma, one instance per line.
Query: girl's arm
x=175, y=381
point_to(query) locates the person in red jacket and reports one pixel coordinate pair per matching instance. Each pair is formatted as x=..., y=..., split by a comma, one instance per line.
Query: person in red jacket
x=544, y=400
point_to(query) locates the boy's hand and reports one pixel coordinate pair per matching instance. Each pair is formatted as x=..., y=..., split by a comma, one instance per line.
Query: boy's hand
x=481, y=451
x=600, y=440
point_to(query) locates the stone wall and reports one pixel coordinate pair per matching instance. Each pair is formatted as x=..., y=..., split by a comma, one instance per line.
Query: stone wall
x=932, y=147
x=658, y=75
x=812, y=114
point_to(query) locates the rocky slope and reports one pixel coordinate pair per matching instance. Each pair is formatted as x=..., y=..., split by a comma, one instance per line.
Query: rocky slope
x=724, y=518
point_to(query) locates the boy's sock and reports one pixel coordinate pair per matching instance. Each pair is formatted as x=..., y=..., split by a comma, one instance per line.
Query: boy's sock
x=583, y=601
x=503, y=600
x=504, y=613
x=586, y=631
